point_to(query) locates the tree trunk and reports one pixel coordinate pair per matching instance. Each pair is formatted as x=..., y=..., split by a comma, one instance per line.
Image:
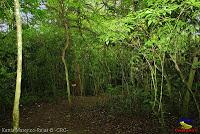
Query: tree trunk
x=79, y=79
x=19, y=65
x=65, y=64
x=189, y=85
x=83, y=80
x=67, y=45
x=66, y=76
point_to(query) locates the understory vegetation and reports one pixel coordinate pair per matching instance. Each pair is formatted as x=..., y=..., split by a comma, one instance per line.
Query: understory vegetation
x=143, y=55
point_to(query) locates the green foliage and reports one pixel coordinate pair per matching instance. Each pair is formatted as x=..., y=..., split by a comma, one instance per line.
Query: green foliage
x=162, y=29
x=127, y=50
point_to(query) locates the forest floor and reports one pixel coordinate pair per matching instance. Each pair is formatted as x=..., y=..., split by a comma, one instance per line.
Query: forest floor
x=85, y=117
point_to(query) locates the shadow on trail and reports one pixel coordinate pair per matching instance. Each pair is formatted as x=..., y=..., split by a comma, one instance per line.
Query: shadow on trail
x=85, y=117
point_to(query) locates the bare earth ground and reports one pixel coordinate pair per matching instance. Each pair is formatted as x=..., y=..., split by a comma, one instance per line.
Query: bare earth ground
x=84, y=118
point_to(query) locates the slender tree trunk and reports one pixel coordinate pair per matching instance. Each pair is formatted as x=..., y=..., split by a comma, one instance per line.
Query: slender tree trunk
x=19, y=65
x=83, y=80
x=67, y=78
x=79, y=79
x=65, y=64
x=67, y=45
x=189, y=85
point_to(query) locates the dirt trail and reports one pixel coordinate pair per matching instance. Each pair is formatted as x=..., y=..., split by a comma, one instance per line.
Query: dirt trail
x=85, y=118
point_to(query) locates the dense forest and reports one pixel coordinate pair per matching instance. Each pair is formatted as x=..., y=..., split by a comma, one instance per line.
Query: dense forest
x=100, y=66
